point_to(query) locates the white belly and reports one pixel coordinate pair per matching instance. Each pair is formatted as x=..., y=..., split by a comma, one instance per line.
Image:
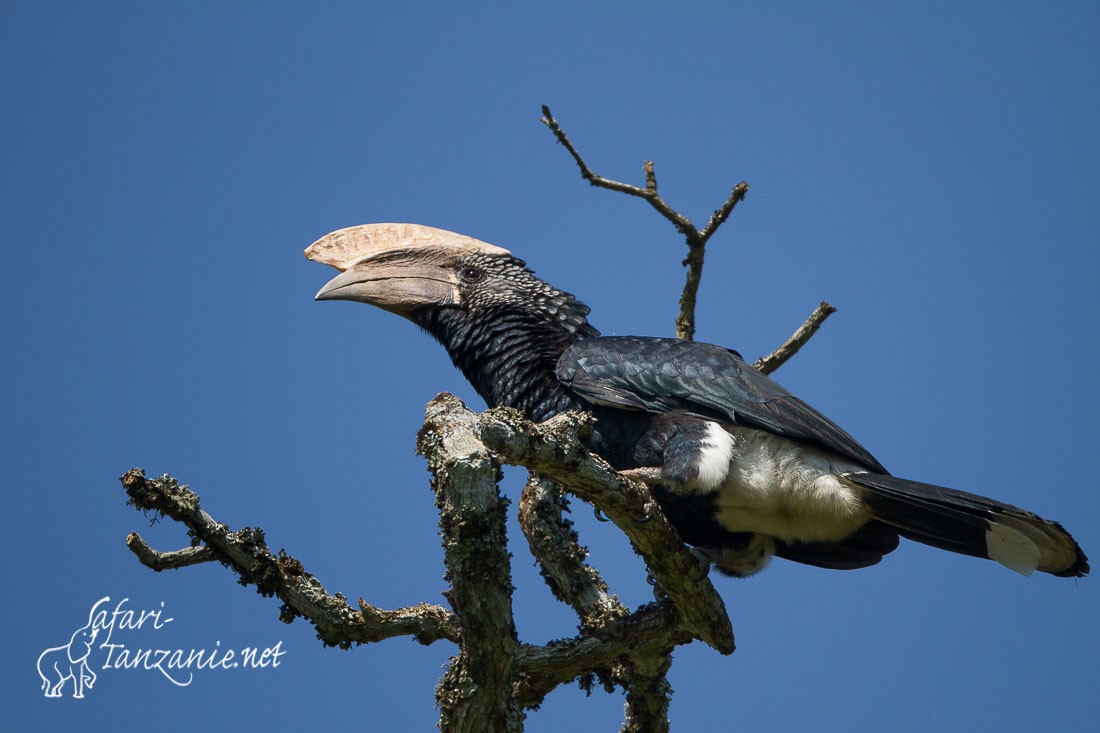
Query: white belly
x=782, y=488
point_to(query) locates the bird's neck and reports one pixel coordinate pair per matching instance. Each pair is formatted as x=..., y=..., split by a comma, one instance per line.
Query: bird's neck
x=509, y=355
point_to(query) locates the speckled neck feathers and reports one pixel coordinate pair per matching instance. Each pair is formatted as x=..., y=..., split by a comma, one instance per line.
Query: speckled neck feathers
x=507, y=340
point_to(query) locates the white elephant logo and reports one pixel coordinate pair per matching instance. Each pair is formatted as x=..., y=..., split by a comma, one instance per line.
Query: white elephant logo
x=59, y=664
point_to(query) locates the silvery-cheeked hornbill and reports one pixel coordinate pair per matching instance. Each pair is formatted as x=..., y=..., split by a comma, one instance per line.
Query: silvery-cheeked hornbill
x=742, y=468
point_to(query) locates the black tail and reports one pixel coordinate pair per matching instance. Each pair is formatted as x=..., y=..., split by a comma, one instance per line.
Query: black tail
x=972, y=525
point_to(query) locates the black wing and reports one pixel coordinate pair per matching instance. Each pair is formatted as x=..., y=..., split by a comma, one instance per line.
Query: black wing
x=658, y=375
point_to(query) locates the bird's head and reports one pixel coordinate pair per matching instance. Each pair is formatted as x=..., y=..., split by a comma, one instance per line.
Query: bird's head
x=411, y=270
x=403, y=268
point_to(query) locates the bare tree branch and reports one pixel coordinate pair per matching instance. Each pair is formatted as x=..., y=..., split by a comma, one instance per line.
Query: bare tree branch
x=771, y=362
x=494, y=677
x=561, y=557
x=555, y=449
x=642, y=674
x=696, y=239
x=158, y=561
x=563, y=564
x=646, y=633
x=246, y=553
x=685, y=321
x=648, y=695
x=649, y=193
x=475, y=694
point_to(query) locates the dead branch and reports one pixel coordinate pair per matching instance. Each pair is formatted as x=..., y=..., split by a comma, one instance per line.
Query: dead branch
x=475, y=693
x=696, y=239
x=246, y=553
x=172, y=560
x=562, y=559
x=494, y=677
x=648, y=696
x=771, y=362
x=649, y=193
x=563, y=565
x=555, y=449
x=646, y=633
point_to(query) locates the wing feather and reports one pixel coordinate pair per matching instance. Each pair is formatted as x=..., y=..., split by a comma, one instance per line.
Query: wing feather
x=658, y=375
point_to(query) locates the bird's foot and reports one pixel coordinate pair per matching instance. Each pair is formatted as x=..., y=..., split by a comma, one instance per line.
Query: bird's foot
x=658, y=592
x=601, y=517
x=701, y=557
x=704, y=561
x=648, y=475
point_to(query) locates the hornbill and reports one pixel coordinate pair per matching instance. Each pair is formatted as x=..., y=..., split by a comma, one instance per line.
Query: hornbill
x=743, y=469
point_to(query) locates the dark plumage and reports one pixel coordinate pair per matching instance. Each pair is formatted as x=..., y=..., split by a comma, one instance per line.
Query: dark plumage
x=743, y=469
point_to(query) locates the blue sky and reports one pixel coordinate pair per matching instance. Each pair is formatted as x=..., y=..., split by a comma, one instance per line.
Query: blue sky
x=930, y=171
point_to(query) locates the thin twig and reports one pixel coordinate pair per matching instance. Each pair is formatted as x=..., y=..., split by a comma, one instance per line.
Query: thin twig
x=650, y=177
x=696, y=239
x=685, y=320
x=771, y=362
x=718, y=218
x=681, y=222
x=172, y=560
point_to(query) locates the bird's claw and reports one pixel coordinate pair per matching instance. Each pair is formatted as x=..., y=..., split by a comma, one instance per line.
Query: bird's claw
x=601, y=517
x=648, y=475
x=658, y=591
x=704, y=561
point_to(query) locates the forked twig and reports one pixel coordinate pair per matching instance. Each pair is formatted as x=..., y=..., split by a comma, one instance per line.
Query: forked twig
x=696, y=239
x=771, y=362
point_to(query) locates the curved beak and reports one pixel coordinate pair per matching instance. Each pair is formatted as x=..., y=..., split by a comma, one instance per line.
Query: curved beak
x=401, y=268
x=401, y=281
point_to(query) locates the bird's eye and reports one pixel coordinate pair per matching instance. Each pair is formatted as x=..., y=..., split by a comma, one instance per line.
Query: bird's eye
x=472, y=274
